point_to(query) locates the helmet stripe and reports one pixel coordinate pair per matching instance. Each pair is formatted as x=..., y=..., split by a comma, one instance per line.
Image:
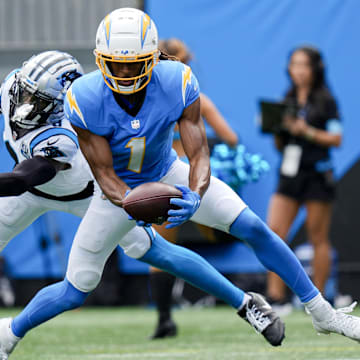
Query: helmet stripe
x=145, y=26
x=47, y=68
x=36, y=68
x=107, y=28
x=42, y=64
x=62, y=66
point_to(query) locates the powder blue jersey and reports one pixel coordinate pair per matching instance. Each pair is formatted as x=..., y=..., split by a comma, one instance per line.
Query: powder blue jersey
x=141, y=144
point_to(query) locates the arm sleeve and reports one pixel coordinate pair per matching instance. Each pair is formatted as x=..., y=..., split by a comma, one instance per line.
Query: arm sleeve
x=29, y=173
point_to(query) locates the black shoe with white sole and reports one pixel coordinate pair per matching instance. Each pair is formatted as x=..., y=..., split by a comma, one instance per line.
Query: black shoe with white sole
x=259, y=314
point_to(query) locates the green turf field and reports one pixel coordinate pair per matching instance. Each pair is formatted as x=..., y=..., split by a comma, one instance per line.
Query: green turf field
x=205, y=334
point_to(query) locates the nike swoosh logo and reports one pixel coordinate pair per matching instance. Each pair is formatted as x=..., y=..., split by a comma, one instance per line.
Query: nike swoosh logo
x=52, y=143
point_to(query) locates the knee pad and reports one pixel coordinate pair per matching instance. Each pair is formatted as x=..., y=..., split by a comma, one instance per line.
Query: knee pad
x=11, y=210
x=137, y=241
x=84, y=279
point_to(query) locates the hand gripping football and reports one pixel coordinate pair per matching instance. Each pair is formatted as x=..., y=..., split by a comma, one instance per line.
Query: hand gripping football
x=150, y=202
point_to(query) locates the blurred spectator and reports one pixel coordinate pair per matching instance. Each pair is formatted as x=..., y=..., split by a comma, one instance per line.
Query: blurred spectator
x=306, y=172
x=162, y=282
x=7, y=295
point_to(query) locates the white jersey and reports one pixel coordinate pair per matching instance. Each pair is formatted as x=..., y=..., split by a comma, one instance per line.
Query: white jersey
x=54, y=142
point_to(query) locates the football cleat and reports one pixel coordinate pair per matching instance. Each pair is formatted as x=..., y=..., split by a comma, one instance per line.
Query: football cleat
x=8, y=340
x=164, y=329
x=259, y=314
x=329, y=320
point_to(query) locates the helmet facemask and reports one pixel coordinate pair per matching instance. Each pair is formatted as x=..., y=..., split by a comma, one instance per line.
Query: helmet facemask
x=148, y=60
x=29, y=107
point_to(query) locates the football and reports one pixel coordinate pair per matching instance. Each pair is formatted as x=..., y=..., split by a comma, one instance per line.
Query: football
x=150, y=202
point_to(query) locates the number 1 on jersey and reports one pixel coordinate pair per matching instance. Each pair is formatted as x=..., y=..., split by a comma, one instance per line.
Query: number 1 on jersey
x=137, y=146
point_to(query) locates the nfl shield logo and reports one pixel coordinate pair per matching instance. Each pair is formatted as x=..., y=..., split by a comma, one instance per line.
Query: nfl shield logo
x=135, y=124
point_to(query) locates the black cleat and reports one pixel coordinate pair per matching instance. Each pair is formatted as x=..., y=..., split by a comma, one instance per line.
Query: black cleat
x=164, y=329
x=259, y=314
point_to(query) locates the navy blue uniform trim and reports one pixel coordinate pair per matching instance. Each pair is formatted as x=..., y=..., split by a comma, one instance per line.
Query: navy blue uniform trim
x=84, y=194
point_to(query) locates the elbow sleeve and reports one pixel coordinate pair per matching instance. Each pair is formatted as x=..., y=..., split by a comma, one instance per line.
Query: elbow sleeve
x=29, y=173
x=11, y=185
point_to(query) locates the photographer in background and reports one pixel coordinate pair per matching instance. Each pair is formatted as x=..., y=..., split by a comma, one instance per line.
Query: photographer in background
x=306, y=173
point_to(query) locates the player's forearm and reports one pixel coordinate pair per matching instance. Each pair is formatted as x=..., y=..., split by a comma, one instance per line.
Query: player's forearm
x=199, y=177
x=11, y=185
x=27, y=174
x=111, y=185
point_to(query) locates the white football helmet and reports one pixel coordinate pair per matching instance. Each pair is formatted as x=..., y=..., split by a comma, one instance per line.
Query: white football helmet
x=37, y=95
x=127, y=35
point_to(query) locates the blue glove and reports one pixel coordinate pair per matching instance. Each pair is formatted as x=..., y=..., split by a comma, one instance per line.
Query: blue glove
x=189, y=203
x=138, y=222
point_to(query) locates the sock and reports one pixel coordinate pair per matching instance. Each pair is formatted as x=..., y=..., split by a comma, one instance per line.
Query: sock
x=191, y=267
x=314, y=302
x=161, y=290
x=9, y=339
x=273, y=253
x=244, y=302
x=47, y=303
x=319, y=308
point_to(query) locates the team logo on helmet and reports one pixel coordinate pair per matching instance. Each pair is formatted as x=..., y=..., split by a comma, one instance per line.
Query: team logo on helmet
x=107, y=28
x=145, y=26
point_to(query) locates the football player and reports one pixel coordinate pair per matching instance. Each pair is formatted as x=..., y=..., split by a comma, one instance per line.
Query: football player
x=124, y=115
x=50, y=171
x=52, y=174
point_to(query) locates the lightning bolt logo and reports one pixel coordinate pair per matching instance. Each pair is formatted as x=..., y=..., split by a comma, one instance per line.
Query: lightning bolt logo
x=107, y=26
x=186, y=79
x=74, y=106
x=145, y=26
